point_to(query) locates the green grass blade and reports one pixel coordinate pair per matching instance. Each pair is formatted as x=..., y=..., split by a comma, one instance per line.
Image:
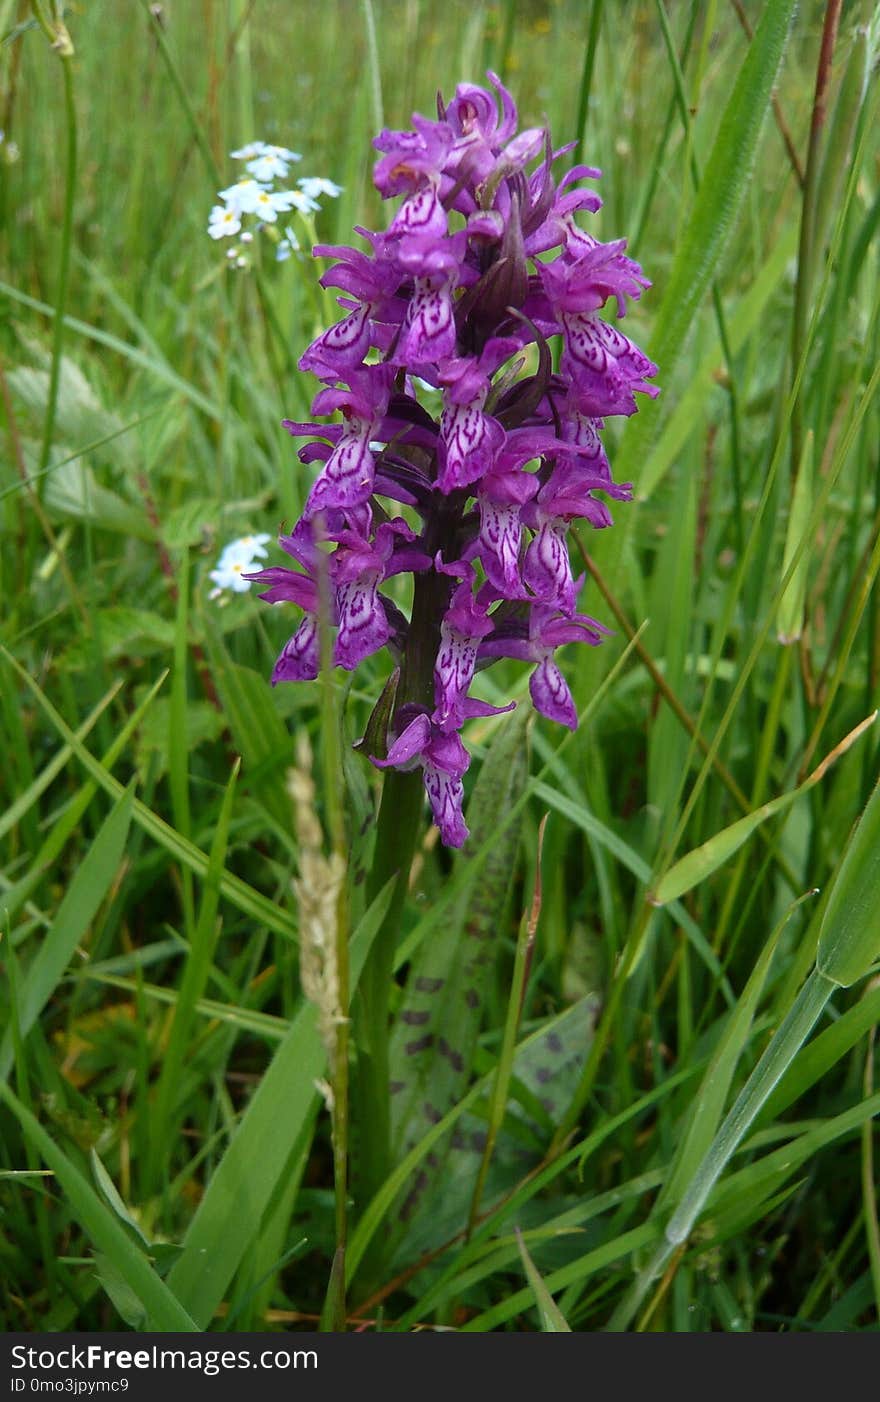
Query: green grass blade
x=195, y=977
x=242, y=1188
x=250, y=902
x=164, y=1311
x=699, y=864
x=704, y=1114
x=229, y=1215
x=75, y=914
x=552, y=1319
x=849, y=938
x=29, y=796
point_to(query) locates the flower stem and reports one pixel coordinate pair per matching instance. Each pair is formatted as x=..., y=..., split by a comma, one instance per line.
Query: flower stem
x=398, y=828
x=60, y=40
x=809, y=234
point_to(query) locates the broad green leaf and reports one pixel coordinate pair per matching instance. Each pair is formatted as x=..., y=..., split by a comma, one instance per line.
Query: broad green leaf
x=435, y=1032
x=133, y=354
x=70, y=925
x=544, y=1074
x=124, y=632
x=74, y=491
x=555, y=1050
x=164, y=1311
x=277, y=1119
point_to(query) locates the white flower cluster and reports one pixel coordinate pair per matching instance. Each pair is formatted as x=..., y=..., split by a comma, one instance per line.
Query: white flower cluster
x=254, y=196
x=238, y=558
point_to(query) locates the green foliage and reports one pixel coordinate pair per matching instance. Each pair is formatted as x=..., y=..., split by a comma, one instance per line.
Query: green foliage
x=680, y=1084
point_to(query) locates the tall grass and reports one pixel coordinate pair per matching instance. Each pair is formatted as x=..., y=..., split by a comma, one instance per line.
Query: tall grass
x=659, y=1113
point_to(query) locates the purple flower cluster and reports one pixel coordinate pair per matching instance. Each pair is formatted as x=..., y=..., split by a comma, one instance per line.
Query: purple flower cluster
x=456, y=304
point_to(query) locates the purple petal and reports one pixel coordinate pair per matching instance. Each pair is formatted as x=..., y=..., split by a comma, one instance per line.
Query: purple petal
x=550, y=694
x=363, y=626
x=445, y=795
x=500, y=536
x=347, y=478
x=342, y=347
x=429, y=330
x=547, y=569
x=407, y=746
x=298, y=659
x=472, y=440
x=287, y=586
x=453, y=674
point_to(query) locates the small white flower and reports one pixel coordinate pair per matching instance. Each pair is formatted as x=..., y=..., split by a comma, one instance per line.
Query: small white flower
x=243, y=197
x=314, y=185
x=271, y=203
x=266, y=167
x=281, y=152
x=241, y=261
x=237, y=559
x=249, y=152
x=301, y=201
x=247, y=236
x=223, y=222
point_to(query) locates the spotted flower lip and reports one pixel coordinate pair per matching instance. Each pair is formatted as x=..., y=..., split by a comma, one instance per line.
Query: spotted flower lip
x=469, y=375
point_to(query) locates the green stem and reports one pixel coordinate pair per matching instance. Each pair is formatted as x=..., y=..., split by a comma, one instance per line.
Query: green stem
x=333, y=1315
x=808, y=230
x=63, y=268
x=398, y=827
x=590, y=51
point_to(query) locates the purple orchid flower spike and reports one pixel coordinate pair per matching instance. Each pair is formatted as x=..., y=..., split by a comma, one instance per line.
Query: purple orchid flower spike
x=440, y=371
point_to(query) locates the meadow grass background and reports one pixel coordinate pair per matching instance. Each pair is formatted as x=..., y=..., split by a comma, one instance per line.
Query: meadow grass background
x=165, y=1160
